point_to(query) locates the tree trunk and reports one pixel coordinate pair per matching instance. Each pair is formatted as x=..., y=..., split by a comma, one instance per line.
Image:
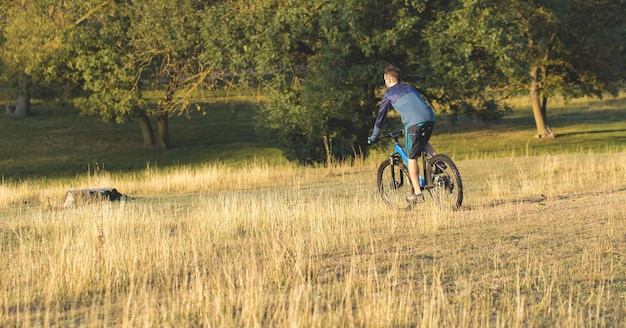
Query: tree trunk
x=24, y=99
x=329, y=155
x=539, y=108
x=163, y=110
x=164, y=133
x=146, y=130
x=24, y=103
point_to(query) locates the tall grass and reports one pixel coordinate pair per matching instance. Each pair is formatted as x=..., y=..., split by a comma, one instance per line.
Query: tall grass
x=539, y=242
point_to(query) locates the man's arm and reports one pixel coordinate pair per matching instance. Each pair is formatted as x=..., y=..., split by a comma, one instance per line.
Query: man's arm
x=381, y=117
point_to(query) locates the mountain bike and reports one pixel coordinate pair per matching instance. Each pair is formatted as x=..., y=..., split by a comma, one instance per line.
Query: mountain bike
x=439, y=176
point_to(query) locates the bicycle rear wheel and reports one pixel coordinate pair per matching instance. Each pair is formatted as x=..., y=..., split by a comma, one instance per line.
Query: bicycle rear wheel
x=394, y=184
x=448, y=187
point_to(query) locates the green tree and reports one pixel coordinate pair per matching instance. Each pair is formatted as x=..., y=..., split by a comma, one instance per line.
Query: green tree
x=133, y=47
x=33, y=51
x=326, y=61
x=260, y=42
x=486, y=50
x=167, y=35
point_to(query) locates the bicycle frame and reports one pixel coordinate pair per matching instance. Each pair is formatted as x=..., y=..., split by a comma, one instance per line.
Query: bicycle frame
x=399, y=151
x=439, y=175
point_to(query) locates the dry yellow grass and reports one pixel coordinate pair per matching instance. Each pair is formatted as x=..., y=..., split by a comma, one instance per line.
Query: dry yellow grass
x=540, y=241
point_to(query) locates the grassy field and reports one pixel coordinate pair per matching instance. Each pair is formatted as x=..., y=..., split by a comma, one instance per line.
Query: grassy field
x=539, y=241
x=58, y=143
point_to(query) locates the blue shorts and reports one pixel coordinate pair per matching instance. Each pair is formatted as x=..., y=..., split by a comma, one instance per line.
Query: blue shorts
x=416, y=137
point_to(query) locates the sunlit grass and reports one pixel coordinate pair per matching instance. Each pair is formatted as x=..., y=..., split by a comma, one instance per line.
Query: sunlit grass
x=539, y=241
x=223, y=231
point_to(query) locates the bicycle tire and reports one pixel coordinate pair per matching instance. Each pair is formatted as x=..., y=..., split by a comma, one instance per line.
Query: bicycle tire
x=448, y=186
x=394, y=184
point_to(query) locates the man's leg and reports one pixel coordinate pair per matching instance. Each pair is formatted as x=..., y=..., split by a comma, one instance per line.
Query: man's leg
x=417, y=196
x=430, y=150
x=414, y=149
x=413, y=169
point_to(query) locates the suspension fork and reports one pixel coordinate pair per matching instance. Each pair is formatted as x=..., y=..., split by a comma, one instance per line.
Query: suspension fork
x=392, y=162
x=398, y=181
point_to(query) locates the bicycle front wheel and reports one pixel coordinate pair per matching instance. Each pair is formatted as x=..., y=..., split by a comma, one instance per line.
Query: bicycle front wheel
x=394, y=183
x=446, y=181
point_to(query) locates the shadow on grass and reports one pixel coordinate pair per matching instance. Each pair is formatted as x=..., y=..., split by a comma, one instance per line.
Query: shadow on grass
x=569, y=134
x=58, y=142
x=540, y=200
x=523, y=119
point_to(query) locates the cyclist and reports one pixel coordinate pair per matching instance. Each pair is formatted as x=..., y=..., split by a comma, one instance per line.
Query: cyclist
x=418, y=119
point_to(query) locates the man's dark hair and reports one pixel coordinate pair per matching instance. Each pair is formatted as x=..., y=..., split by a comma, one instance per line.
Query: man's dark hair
x=393, y=72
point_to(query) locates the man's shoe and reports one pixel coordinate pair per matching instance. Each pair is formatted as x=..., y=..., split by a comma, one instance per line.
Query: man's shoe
x=415, y=199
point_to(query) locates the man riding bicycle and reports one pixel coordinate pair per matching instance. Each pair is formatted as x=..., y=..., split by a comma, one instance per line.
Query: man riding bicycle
x=418, y=119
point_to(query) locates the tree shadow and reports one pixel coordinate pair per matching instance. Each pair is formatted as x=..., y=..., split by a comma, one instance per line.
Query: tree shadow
x=568, y=134
x=540, y=199
x=521, y=120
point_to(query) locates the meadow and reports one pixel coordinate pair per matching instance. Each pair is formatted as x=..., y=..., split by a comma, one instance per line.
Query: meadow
x=245, y=238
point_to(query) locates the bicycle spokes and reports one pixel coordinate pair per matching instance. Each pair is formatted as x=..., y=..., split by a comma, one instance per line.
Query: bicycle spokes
x=447, y=189
x=397, y=179
x=444, y=182
x=394, y=183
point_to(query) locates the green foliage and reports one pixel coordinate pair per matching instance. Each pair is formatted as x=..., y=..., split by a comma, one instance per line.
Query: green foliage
x=320, y=63
x=284, y=119
x=481, y=51
x=128, y=48
x=594, y=34
x=306, y=120
x=464, y=58
x=347, y=46
x=33, y=50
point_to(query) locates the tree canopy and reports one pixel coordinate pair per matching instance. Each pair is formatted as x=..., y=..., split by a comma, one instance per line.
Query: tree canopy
x=129, y=48
x=32, y=48
x=543, y=47
x=318, y=62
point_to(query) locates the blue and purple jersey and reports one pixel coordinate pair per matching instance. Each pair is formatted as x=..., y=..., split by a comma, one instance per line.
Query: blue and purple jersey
x=407, y=101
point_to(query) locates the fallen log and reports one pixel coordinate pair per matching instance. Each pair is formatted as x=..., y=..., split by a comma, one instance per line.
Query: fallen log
x=85, y=196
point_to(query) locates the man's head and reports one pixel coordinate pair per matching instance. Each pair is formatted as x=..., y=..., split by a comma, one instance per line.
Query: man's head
x=392, y=75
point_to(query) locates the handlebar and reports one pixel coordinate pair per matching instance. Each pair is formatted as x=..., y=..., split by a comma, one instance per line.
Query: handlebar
x=395, y=135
